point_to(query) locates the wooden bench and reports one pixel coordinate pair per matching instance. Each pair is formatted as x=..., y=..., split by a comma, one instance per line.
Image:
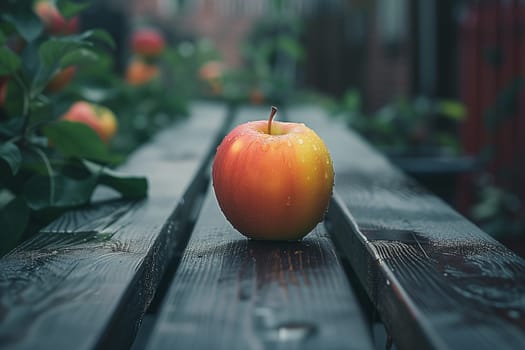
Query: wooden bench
x=170, y=272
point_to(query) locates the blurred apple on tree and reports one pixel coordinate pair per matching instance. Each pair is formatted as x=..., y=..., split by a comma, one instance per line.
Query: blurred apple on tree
x=61, y=79
x=139, y=72
x=3, y=89
x=211, y=72
x=54, y=22
x=148, y=42
x=99, y=118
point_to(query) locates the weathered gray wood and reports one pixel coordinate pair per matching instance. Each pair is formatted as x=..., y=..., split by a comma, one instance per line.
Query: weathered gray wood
x=233, y=293
x=85, y=281
x=437, y=281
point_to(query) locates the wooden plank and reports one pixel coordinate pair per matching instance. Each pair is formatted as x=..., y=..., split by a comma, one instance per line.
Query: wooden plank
x=85, y=281
x=437, y=281
x=234, y=293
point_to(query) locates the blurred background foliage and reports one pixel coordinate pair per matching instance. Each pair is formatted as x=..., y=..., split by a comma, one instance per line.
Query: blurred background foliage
x=437, y=86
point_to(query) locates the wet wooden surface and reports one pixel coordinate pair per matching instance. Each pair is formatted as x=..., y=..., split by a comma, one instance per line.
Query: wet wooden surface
x=437, y=281
x=85, y=281
x=233, y=293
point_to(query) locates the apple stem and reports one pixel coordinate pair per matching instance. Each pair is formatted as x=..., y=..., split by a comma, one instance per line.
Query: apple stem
x=272, y=114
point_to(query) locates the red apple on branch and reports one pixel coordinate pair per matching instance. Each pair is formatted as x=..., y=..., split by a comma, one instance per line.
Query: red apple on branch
x=148, y=42
x=3, y=89
x=273, y=181
x=53, y=21
x=61, y=79
x=99, y=118
x=140, y=72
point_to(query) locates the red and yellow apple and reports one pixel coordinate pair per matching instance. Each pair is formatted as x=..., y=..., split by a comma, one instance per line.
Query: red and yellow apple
x=273, y=181
x=99, y=118
x=139, y=72
x=148, y=42
x=211, y=72
x=53, y=21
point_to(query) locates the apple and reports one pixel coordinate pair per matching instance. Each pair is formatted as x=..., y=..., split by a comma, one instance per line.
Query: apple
x=97, y=117
x=139, y=72
x=148, y=42
x=61, y=79
x=53, y=21
x=211, y=70
x=3, y=89
x=273, y=181
x=256, y=96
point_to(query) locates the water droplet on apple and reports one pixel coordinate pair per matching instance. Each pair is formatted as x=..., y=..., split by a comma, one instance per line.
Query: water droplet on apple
x=265, y=147
x=308, y=178
x=289, y=143
x=315, y=148
x=289, y=201
x=300, y=141
x=326, y=175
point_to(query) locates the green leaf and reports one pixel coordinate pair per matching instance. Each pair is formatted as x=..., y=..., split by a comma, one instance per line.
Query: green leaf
x=11, y=155
x=69, y=9
x=128, y=186
x=99, y=37
x=78, y=140
x=505, y=105
x=27, y=24
x=80, y=57
x=13, y=220
x=52, y=51
x=9, y=61
x=452, y=109
x=291, y=47
x=12, y=127
x=352, y=100
x=30, y=59
x=58, y=191
x=59, y=52
x=42, y=112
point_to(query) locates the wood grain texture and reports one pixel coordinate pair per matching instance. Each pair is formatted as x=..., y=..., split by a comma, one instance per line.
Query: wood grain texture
x=85, y=281
x=437, y=280
x=235, y=293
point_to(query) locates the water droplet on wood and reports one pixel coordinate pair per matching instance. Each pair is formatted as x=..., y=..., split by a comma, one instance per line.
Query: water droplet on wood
x=295, y=331
x=514, y=314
